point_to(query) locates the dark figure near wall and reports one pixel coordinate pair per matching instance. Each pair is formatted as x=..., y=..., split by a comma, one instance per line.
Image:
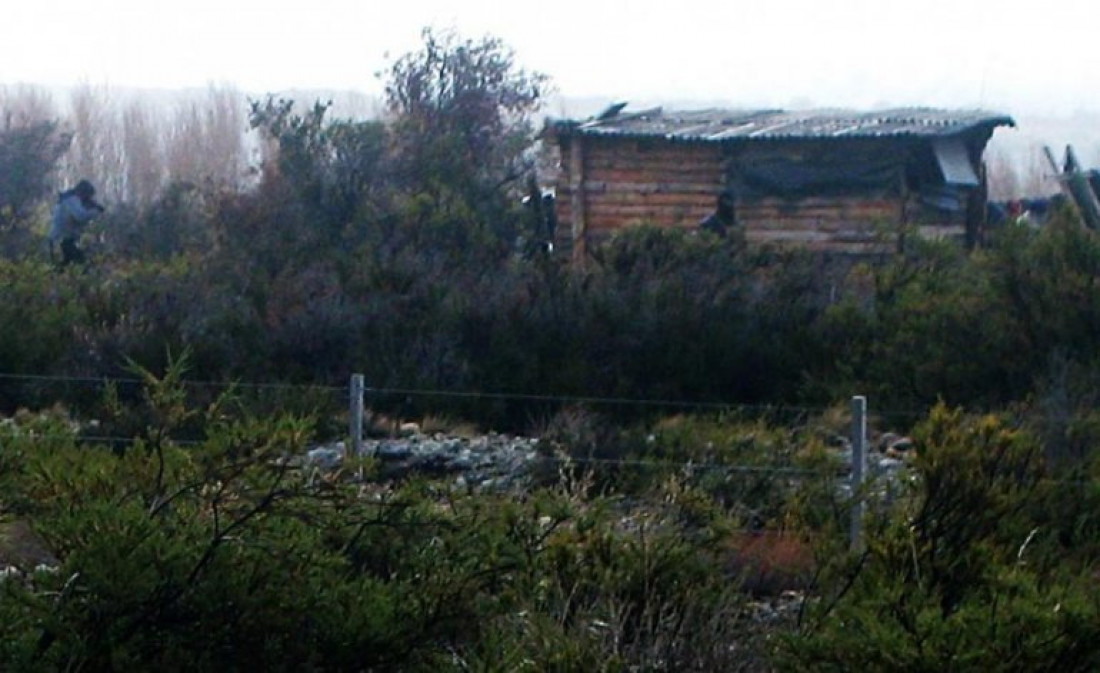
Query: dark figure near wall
x=724, y=217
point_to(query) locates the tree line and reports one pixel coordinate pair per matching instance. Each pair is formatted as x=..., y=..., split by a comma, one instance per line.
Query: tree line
x=400, y=247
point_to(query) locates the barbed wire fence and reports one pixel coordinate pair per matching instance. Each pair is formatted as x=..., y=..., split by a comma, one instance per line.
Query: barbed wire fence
x=355, y=397
x=357, y=393
x=367, y=394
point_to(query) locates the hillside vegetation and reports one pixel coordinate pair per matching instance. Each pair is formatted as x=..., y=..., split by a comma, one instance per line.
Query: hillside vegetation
x=689, y=510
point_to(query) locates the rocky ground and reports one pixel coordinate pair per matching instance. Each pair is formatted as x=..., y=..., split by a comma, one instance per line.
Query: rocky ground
x=502, y=461
x=492, y=461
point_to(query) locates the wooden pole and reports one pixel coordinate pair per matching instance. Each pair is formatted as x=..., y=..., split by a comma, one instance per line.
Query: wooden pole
x=579, y=199
x=1075, y=186
x=355, y=424
x=859, y=457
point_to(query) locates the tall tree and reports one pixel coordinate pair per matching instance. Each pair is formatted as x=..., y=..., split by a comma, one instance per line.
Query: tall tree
x=206, y=140
x=462, y=119
x=31, y=146
x=97, y=152
x=332, y=167
x=143, y=149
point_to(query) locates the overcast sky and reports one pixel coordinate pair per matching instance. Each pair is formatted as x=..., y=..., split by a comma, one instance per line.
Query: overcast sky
x=1015, y=57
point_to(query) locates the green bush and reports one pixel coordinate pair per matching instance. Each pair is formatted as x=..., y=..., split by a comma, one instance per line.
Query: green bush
x=967, y=574
x=41, y=316
x=228, y=554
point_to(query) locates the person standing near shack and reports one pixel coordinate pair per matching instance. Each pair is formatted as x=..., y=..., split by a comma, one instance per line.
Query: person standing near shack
x=75, y=208
x=724, y=218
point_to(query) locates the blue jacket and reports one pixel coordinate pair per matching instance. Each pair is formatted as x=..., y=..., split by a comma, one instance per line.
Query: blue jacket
x=70, y=216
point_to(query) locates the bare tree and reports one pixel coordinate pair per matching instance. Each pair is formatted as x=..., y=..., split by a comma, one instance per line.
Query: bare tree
x=23, y=105
x=1004, y=178
x=1036, y=177
x=206, y=139
x=143, y=151
x=183, y=152
x=97, y=152
x=227, y=121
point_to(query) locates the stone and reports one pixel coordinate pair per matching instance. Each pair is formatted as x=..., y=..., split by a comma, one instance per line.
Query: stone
x=885, y=440
x=393, y=451
x=461, y=464
x=889, y=464
x=902, y=444
x=326, y=457
x=492, y=461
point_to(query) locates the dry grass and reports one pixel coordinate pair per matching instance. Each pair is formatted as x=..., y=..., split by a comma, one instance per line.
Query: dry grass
x=770, y=562
x=431, y=425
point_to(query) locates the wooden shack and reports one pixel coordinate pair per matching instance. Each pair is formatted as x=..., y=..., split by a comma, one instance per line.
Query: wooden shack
x=843, y=181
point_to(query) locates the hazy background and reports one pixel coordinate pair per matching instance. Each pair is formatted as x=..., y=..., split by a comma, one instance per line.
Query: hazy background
x=1036, y=63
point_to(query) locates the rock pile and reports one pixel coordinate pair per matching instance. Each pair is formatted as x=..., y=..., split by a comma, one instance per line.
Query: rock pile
x=492, y=461
x=781, y=609
x=500, y=461
x=887, y=453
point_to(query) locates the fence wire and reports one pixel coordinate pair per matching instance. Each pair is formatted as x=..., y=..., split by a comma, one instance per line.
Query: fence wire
x=413, y=392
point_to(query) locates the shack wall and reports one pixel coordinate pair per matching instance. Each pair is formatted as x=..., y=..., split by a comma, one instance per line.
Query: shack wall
x=833, y=216
x=846, y=224
x=619, y=182
x=614, y=183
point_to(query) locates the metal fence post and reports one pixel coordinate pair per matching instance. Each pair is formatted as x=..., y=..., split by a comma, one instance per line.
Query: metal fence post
x=355, y=424
x=859, y=458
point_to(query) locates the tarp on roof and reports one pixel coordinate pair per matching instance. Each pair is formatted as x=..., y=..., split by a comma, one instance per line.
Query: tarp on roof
x=834, y=173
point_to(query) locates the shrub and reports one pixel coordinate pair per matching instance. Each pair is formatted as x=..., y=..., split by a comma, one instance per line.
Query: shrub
x=963, y=576
x=41, y=317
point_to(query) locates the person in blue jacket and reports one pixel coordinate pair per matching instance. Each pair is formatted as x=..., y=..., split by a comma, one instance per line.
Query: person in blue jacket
x=75, y=208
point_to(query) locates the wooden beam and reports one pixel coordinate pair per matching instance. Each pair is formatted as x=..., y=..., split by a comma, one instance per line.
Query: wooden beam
x=710, y=188
x=1075, y=184
x=577, y=202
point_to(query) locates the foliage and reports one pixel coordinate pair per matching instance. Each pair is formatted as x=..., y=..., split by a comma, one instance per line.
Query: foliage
x=967, y=574
x=39, y=317
x=929, y=308
x=175, y=222
x=29, y=156
x=463, y=95
x=334, y=167
x=461, y=126
x=230, y=554
x=908, y=331
x=706, y=315
x=662, y=513
x=658, y=315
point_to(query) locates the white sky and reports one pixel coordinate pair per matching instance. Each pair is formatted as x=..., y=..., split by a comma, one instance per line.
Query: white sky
x=1009, y=55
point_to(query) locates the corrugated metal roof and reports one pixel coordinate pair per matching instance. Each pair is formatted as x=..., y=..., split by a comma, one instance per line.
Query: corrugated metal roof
x=724, y=125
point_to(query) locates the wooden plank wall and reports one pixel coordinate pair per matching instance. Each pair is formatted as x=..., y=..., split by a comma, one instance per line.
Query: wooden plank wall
x=843, y=224
x=627, y=182
x=935, y=224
